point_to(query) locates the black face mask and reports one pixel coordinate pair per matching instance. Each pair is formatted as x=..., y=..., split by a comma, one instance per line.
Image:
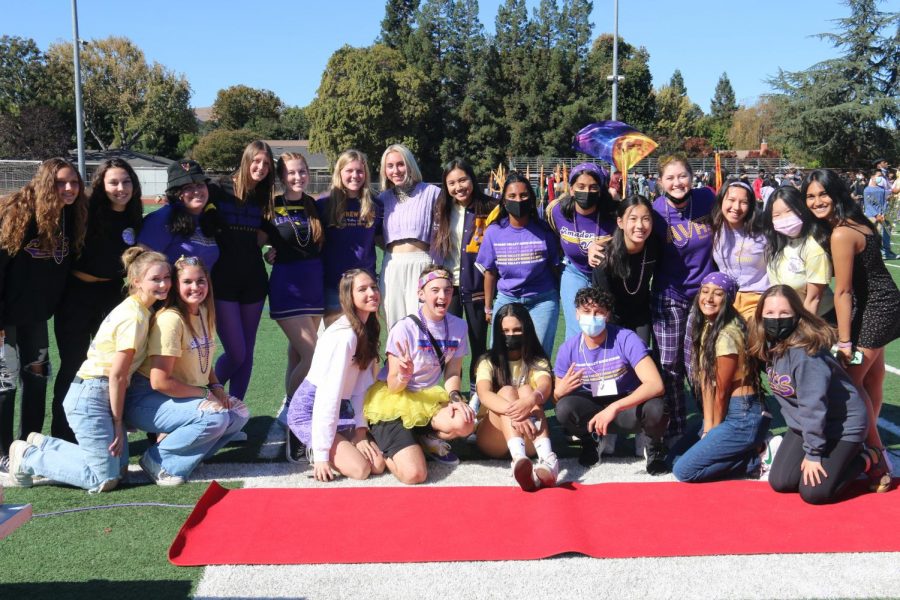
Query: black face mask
x=587, y=199
x=517, y=209
x=778, y=330
x=674, y=200
x=514, y=341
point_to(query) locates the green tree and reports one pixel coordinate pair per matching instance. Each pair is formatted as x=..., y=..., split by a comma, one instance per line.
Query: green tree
x=677, y=118
x=844, y=110
x=22, y=68
x=396, y=26
x=482, y=113
x=221, y=150
x=752, y=124
x=637, y=100
x=240, y=106
x=677, y=83
x=127, y=102
x=34, y=132
x=367, y=98
x=723, y=105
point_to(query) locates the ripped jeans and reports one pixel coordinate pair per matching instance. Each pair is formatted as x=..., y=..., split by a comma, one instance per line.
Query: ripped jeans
x=193, y=434
x=27, y=364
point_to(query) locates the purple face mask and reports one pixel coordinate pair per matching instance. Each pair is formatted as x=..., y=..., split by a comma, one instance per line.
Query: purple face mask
x=789, y=225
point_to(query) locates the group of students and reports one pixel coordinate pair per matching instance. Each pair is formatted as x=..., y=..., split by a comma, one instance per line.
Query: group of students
x=718, y=286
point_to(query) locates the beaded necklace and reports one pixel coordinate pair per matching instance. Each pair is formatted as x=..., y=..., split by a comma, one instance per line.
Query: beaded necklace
x=200, y=345
x=640, y=277
x=59, y=253
x=287, y=212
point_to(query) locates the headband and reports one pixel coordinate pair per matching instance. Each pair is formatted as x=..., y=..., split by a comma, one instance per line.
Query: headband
x=591, y=168
x=743, y=185
x=724, y=281
x=431, y=276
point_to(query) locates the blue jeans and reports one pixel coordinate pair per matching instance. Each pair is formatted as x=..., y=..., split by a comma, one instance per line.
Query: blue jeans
x=544, y=311
x=88, y=464
x=730, y=449
x=571, y=281
x=193, y=434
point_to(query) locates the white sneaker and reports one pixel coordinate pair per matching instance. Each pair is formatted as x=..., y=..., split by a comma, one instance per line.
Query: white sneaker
x=157, y=474
x=35, y=439
x=547, y=470
x=523, y=471
x=767, y=456
x=11, y=466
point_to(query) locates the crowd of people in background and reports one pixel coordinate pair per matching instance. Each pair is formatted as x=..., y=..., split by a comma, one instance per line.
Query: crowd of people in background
x=770, y=290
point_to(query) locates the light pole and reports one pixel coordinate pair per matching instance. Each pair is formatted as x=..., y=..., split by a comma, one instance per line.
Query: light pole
x=615, y=78
x=79, y=122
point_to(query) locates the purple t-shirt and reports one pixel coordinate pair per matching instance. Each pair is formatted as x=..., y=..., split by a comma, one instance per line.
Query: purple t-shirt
x=576, y=235
x=743, y=257
x=615, y=359
x=349, y=247
x=412, y=219
x=450, y=334
x=523, y=257
x=155, y=235
x=686, y=255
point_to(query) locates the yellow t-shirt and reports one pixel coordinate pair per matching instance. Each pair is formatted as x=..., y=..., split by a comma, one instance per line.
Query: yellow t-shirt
x=485, y=371
x=125, y=328
x=731, y=340
x=194, y=352
x=801, y=262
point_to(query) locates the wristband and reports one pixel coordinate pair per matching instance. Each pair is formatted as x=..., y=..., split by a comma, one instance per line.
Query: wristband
x=455, y=396
x=215, y=386
x=488, y=310
x=845, y=344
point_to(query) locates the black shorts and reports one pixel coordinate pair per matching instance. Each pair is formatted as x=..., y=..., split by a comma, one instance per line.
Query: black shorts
x=245, y=285
x=392, y=437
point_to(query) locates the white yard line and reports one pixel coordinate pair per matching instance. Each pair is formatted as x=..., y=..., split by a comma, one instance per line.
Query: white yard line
x=892, y=265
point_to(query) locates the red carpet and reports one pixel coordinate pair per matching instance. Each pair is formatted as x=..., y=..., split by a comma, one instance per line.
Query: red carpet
x=612, y=520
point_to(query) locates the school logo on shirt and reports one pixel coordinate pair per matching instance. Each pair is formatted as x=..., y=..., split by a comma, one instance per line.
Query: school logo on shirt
x=582, y=238
x=448, y=347
x=680, y=233
x=128, y=236
x=474, y=244
x=780, y=384
x=59, y=252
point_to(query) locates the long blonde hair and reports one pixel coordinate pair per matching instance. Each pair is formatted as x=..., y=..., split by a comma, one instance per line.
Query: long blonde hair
x=38, y=200
x=244, y=186
x=338, y=195
x=309, y=205
x=413, y=174
x=137, y=260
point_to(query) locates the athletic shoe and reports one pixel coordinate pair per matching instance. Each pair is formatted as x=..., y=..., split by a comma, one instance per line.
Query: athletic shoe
x=524, y=474
x=767, y=456
x=609, y=443
x=35, y=439
x=237, y=439
x=547, y=470
x=283, y=412
x=157, y=474
x=11, y=466
x=655, y=452
x=590, y=452
x=294, y=450
x=437, y=450
x=640, y=444
x=7, y=379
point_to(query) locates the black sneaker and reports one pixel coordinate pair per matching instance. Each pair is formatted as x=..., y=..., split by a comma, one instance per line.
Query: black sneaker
x=294, y=450
x=656, y=457
x=590, y=454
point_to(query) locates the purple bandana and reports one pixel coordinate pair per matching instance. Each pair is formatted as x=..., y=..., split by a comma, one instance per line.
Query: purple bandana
x=724, y=281
x=595, y=170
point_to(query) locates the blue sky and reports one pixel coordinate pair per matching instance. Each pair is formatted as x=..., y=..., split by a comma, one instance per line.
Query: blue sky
x=284, y=45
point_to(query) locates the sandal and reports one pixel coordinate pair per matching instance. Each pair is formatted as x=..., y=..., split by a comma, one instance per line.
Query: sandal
x=878, y=472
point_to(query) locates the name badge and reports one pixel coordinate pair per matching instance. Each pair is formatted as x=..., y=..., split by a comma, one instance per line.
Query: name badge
x=607, y=387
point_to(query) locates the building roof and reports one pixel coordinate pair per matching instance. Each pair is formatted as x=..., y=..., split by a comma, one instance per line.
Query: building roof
x=315, y=160
x=138, y=160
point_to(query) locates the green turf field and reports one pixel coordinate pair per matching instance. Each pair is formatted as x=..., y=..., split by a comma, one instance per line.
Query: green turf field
x=121, y=553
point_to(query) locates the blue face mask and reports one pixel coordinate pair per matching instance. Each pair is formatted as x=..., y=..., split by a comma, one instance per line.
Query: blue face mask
x=592, y=326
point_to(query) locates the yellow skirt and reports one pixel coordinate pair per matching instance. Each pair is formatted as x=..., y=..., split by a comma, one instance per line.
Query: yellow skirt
x=413, y=408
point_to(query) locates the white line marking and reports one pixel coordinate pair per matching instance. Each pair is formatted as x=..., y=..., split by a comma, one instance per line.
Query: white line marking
x=891, y=369
x=892, y=265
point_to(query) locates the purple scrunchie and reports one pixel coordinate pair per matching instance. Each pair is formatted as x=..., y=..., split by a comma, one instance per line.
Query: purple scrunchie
x=591, y=168
x=724, y=281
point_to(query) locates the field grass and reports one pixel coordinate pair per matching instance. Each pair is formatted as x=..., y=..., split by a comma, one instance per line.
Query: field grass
x=122, y=552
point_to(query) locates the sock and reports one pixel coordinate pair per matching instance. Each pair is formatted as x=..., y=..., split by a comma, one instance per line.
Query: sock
x=543, y=447
x=516, y=447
